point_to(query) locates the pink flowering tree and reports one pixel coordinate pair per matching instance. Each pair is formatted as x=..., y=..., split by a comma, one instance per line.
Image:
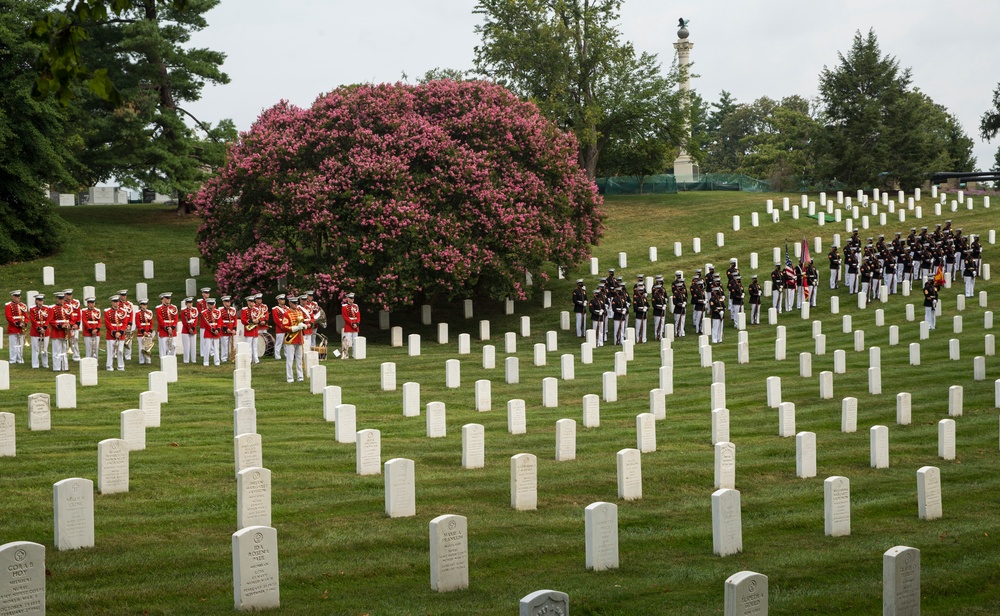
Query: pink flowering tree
x=401, y=193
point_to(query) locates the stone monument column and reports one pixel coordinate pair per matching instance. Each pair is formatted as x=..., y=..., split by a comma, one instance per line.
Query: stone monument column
x=685, y=167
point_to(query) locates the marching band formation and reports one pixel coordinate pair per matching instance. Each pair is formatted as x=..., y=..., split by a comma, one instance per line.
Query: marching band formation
x=54, y=331
x=920, y=256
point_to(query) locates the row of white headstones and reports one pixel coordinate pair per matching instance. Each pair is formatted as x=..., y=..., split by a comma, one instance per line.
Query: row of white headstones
x=399, y=472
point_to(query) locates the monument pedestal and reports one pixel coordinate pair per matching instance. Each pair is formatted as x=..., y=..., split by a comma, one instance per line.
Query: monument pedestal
x=685, y=169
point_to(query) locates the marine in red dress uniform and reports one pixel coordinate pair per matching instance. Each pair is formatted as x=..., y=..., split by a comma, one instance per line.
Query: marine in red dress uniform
x=16, y=313
x=352, y=325
x=167, y=319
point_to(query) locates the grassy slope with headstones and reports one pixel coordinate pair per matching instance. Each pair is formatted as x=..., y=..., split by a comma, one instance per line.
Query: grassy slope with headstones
x=165, y=547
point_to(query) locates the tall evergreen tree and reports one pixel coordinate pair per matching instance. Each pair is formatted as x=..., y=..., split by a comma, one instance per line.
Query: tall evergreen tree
x=151, y=140
x=33, y=150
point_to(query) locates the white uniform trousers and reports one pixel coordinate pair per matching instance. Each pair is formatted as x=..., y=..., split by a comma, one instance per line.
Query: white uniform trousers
x=581, y=323
x=754, y=314
x=144, y=357
x=970, y=286
x=114, y=348
x=640, y=328
x=812, y=294
x=776, y=300
x=128, y=347
x=165, y=346
x=293, y=359
x=39, y=352
x=620, y=326
x=658, y=327
x=224, y=343
x=717, y=330
x=800, y=295
x=851, y=280
x=699, y=320
x=15, y=346
x=74, y=342
x=789, y=299
x=930, y=315
x=834, y=278
x=92, y=344
x=599, y=332
x=189, y=341
x=679, y=320
x=60, y=361
x=210, y=348
x=307, y=342
x=279, y=342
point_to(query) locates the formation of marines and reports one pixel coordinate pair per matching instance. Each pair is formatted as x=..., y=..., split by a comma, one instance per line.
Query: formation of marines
x=54, y=330
x=924, y=256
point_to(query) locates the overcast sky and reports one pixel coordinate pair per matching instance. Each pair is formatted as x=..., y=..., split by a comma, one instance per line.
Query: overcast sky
x=298, y=49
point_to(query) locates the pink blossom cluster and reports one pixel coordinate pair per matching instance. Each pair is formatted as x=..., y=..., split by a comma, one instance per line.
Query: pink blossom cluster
x=401, y=193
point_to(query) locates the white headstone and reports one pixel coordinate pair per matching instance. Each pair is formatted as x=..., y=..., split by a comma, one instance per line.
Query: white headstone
x=565, y=440
x=396, y=336
x=39, y=412
x=400, y=491
x=645, y=430
x=346, y=423
x=489, y=357
x=332, y=399
x=837, y=506
x=388, y=375
x=24, y=592
x=786, y=419
x=609, y=382
x=525, y=327
x=727, y=524
x=746, y=594
x=516, y=419
x=725, y=465
x=452, y=370
x=368, y=452
x=773, y=391
x=437, y=426
x=901, y=581
x=255, y=568
x=592, y=410
x=157, y=381
x=413, y=345
x=879, y=436
x=903, y=406
x=473, y=446
x=133, y=429
x=73, y=503
x=849, y=415
x=112, y=466
x=464, y=344
x=826, y=385
x=524, y=482
x=253, y=497
x=955, y=401
x=657, y=404
x=65, y=391
x=601, y=530
x=244, y=421
x=914, y=353
x=512, y=371
x=449, y=537
x=805, y=455
x=839, y=361
x=875, y=381
x=8, y=438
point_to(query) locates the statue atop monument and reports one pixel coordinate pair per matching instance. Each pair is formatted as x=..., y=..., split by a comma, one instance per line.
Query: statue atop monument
x=682, y=30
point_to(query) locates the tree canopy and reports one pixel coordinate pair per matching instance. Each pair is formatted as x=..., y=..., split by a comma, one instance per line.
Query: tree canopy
x=401, y=193
x=567, y=56
x=33, y=147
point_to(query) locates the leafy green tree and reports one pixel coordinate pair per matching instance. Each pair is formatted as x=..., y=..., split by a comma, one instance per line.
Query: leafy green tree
x=781, y=148
x=61, y=34
x=567, y=56
x=33, y=150
x=721, y=148
x=151, y=140
x=877, y=130
x=990, y=124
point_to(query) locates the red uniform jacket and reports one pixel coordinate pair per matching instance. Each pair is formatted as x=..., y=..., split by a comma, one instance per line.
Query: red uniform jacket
x=143, y=322
x=290, y=318
x=228, y=319
x=167, y=315
x=277, y=315
x=210, y=323
x=352, y=317
x=90, y=322
x=60, y=321
x=115, y=322
x=189, y=319
x=39, y=318
x=17, y=317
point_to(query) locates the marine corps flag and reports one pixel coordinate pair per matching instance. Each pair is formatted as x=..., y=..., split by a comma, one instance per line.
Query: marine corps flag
x=805, y=261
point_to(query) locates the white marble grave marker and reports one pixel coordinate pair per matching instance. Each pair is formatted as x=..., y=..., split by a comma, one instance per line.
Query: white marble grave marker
x=929, y=493
x=437, y=426
x=826, y=385
x=346, y=420
x=849, y=415
x=516, y=420
x=955, y=401
x=837, y=506
x=565, y=440
x=901, y=581
x=255, y=569
x=805, y=455
x=73, y=503
x=725, y=465
x=609, y=381
x=452, y=369
x=449, y=539
x=400, y=493
x=512, y=371
x=332, y=399
x=253, y=497
x=413, y=345
x=388, y=374
x=112, y=466
x=39, y=412
x=65, y=391
x=645, y=430
x=601, y=531
x=592, y=410
x=946, y=439
x=473, y=446
x=727, y=525
x=629, y=474
x=8, y=438
x=746, y=594
x=484, y=395
x=524, y=482
x=879, y=437
x=24, y=592
x=773, y=391
x=133, y=429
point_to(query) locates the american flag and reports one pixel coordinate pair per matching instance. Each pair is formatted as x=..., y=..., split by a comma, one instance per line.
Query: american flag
x=789, y=268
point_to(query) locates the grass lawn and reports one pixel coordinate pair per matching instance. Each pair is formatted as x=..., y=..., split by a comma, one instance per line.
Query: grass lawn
x=165, y=546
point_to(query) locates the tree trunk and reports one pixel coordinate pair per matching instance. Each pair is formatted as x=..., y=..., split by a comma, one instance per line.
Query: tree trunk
x=588, y=160
x=184, y=205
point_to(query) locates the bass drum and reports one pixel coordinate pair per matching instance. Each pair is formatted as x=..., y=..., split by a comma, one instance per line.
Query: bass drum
x=319, y=345
x=265, y=345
